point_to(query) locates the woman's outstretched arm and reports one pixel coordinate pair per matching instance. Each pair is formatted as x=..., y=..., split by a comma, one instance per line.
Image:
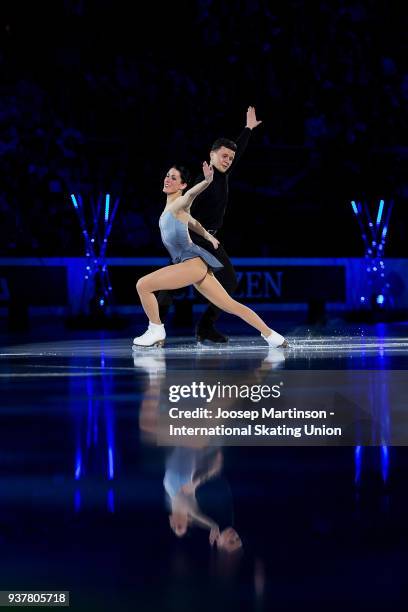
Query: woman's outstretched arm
x=185, y=201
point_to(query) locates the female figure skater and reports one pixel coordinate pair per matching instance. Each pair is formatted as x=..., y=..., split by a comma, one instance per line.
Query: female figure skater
x=187, y=470
x=192, y=265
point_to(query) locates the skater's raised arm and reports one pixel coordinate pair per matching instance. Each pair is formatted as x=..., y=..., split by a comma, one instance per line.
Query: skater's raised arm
x=193, y=192
x=185, y=201
x=242, y=141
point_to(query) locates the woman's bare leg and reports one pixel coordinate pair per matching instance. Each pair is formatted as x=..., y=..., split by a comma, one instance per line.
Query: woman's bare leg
x=211, y=289
x=175, y=276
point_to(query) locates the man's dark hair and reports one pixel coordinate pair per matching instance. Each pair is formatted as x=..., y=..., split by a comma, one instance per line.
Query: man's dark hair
x=224, y=142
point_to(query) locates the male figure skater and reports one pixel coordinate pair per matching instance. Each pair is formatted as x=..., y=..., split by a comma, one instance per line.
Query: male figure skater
x=209, y=209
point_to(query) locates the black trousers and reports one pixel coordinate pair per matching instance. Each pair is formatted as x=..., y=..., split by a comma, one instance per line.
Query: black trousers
x=226, y=276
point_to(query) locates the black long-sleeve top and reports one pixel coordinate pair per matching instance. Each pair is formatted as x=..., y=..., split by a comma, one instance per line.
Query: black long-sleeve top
x=209, y=207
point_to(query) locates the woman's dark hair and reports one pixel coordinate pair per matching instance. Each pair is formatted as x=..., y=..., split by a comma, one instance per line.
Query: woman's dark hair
x=184, y=173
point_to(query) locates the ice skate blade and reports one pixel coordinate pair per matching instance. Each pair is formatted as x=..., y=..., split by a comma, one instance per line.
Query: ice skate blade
x=207, y=342
x=158, y=344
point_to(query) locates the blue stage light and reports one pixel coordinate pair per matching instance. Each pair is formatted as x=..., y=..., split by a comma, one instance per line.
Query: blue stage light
x=77, y=500
x=111, y=501
x=384, y=462
x=96, y=243
x=374, y=238
x=357, y=464
x=110, y=464
x=380, y=212
x=78, y=466
x=107, y=200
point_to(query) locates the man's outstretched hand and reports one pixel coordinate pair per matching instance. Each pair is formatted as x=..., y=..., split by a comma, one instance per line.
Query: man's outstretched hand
x=252, y=121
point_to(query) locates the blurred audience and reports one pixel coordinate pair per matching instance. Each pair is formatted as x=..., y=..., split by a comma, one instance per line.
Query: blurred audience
x=329, y=79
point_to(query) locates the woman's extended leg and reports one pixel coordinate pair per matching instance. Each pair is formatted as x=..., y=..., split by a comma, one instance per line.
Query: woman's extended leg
x=211, y=289
x=175, y=276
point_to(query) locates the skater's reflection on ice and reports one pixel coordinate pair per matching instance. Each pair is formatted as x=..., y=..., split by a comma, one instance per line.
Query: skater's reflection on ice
x=197, y=491
x=198, y=495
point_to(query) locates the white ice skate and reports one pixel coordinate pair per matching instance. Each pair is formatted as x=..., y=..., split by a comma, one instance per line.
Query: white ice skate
x=275, y=356
x=154, y=336
x=150, y=361
x=275, y=340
